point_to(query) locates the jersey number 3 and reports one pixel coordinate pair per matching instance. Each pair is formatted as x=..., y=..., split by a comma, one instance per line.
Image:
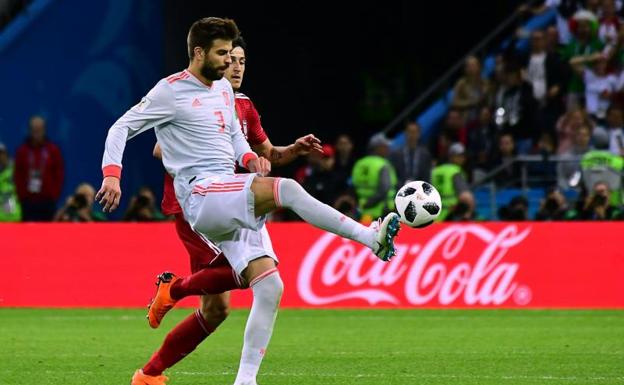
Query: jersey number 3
x=221, y=121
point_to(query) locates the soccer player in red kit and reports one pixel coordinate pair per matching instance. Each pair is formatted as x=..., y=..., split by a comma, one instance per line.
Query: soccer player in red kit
x=212, y=276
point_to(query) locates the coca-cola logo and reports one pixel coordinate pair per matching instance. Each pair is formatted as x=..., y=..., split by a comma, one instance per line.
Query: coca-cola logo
x=440, y=271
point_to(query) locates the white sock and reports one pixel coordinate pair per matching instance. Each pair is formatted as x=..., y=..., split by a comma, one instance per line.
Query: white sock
x=267, y=290
x=292, y=196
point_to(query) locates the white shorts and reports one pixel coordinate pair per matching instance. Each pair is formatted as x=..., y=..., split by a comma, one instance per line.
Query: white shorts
x=221, y=208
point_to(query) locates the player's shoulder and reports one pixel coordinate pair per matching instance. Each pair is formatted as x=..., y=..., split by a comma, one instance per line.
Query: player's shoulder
x=176, y=77
x=241, y=96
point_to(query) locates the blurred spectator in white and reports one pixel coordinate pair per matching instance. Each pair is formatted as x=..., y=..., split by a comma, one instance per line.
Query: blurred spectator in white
x=481, y=142
x=583, y=46
x=599, y=84
x=10, y=209
x=515, y=108
x=597, y=206
x=615, y=128
x=449, y=178
x=567, y=125
x=318, y=175
x=610, y=23
x=464, y=210
x=509, y=176
x=569, y=167
x=471, y=91
x=554, y=207
x=412, y=161
x=343, y=165
x=544, y=72
x=38, y=173
x=79, y=207
x=143, y=207
x=375, y=180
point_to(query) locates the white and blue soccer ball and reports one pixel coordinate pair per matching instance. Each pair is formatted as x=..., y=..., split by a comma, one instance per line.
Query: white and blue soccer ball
x=418, y=203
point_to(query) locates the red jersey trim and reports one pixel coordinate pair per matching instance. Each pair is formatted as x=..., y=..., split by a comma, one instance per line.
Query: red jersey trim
x=112, y=170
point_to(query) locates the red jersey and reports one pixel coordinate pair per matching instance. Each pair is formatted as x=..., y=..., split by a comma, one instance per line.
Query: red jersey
x=253, y=131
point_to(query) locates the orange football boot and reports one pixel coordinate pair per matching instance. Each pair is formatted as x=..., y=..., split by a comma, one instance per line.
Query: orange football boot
x=140, y=378
x=163, y=302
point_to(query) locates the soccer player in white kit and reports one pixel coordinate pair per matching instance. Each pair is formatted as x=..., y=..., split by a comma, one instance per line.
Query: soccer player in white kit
x=194, y=117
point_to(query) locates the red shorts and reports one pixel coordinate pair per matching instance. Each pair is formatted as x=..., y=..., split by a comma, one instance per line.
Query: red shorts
x=202, y=253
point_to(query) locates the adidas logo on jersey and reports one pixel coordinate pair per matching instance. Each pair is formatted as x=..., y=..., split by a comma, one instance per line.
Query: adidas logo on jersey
x=196, y=103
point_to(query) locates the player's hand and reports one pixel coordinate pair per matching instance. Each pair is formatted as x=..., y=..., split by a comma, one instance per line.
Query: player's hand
x=260, y=165
x=110, y=194
x=306, y=144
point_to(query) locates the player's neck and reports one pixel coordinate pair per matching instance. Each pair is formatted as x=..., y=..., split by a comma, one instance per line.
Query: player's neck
x=197, y=73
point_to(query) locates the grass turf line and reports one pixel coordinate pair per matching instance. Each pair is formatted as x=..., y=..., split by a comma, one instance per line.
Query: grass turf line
x=325, y=347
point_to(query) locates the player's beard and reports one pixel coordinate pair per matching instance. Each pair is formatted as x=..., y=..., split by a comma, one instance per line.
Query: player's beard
x=212, y=73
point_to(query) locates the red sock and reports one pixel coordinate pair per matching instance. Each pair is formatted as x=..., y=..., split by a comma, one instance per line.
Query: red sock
x=211, y=280
x=180, y=342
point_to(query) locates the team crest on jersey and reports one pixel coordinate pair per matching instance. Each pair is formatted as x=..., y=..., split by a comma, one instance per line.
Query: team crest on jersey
x=142, y=105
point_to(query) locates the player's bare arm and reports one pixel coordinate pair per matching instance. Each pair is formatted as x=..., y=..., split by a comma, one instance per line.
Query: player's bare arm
x=281, y=155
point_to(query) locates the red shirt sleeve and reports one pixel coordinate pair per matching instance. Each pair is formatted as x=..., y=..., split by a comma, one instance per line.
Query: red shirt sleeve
x=20, y=174
x=250, y=119
x=57, y=171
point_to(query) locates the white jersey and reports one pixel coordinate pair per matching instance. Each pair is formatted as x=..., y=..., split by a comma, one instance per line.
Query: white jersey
x=196, y=126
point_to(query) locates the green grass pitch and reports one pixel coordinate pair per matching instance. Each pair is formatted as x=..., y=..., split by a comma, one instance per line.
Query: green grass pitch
x=325, y=347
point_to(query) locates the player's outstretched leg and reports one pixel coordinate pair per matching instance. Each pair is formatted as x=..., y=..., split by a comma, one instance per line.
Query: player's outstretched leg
x=271, y=193
x=184, y=338
x=171, y=289
x=267, y=286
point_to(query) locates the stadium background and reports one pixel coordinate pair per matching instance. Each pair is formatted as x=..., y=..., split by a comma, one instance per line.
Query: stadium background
x=313, y=67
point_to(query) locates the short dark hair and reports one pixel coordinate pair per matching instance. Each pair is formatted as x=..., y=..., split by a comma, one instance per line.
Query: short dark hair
x=204, y=31
x=239, y=42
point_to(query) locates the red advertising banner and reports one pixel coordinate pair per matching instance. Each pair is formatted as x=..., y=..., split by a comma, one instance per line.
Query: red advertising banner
x=481, y=265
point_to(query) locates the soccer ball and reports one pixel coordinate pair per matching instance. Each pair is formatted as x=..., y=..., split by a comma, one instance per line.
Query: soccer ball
x=418, y=203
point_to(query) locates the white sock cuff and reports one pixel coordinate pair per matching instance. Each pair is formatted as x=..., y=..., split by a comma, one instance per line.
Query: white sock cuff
x=263, y=276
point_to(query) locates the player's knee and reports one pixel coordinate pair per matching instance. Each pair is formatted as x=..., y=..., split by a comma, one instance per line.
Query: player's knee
x=269, y=288
x=289, y=190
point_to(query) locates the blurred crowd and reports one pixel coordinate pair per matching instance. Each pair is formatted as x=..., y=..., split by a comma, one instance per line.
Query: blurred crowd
x=557, y=104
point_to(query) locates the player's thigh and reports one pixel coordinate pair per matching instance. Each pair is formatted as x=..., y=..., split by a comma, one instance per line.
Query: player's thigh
x=265, y=194
x=215, y=307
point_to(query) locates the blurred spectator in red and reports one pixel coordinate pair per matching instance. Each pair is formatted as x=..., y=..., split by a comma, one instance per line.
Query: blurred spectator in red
x=566, y=128
x=515, y=108
x=544, y=72
x=504, y=156
x=375, y=180
x=79, y=206
x=412, y=161
x=569, y=167
x=453, y=130
x=143, y=207
x=343, y=164
x=10, y=209
x=317, y=177
x=481, y=141
x=471, y=90
x=599, y=84
x=38, y=173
